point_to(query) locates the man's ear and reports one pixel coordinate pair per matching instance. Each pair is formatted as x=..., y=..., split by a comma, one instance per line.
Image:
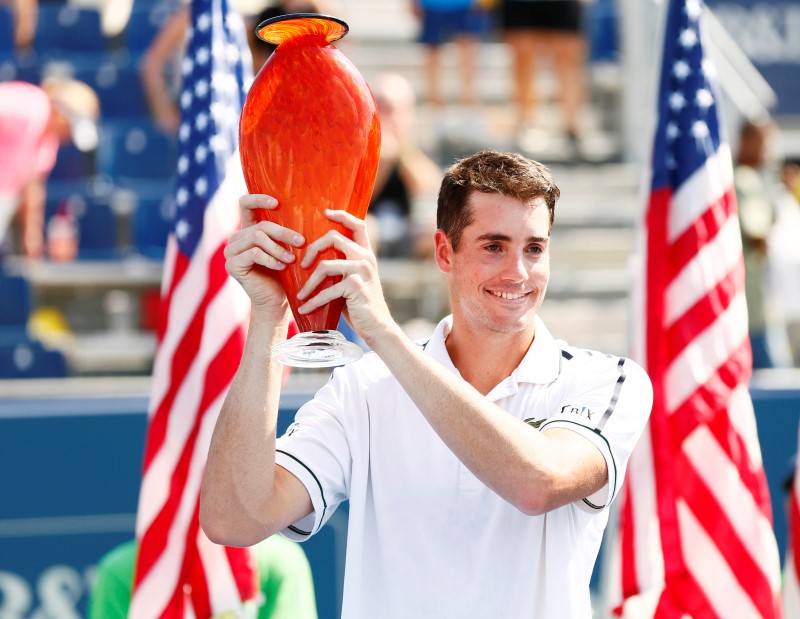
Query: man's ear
x=443, y=251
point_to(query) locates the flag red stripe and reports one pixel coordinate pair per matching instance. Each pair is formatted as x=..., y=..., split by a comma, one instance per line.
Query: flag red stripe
x=704, y=404
x=193, y=572
x=683, y=597
x=714, y=519
x=659, y=425
x=184, y=357
x=245, y=571
x=753, y=479
x=794, y=524
x=703, y=230
x=702, y=314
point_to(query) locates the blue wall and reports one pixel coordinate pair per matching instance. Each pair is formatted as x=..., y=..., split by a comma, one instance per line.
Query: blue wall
x=69, y=482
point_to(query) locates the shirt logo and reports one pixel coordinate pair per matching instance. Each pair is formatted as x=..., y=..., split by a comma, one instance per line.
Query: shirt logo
x=534, y=422
x=580, y=411
x=292, y=428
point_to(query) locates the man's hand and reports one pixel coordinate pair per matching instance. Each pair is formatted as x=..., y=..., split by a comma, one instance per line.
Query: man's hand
x=254, y=255
x=366, y=308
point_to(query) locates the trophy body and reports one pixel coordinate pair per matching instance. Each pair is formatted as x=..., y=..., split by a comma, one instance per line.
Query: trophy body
x=310, y=136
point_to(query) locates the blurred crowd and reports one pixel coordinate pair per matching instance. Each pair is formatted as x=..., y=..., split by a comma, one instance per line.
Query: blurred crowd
x=87, y=131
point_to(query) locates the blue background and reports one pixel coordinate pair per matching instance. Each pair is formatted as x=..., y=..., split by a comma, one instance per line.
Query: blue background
x=81, y=457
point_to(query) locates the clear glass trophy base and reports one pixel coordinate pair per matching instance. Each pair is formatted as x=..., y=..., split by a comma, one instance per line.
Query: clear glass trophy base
x=317, y=349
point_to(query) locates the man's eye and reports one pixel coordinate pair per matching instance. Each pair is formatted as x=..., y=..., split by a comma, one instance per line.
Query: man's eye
x=535, y=249
x=493, y=247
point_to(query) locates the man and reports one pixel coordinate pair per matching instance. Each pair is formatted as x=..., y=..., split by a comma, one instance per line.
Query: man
x=479, y=464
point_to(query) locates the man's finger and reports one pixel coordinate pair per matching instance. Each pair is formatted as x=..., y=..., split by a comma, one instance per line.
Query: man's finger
x=357, y=226
x=249, y=204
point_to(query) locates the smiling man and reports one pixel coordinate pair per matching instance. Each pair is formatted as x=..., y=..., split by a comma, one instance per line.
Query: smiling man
x=480, y=464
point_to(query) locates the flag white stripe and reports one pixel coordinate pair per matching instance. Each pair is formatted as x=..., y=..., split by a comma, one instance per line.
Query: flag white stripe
x=791, y=588
x=704, y=187
x=696, y=364
x=742, y=416
x=722, y=479
x=710, y=569
x=715, y=260
x=648, y=558
x=155, y=590
x=222, y=590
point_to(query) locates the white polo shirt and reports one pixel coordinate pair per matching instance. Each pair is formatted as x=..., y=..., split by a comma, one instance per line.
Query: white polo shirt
x=426, y=538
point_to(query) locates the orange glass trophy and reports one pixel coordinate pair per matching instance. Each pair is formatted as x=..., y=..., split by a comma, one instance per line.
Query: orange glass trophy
x=310, y=136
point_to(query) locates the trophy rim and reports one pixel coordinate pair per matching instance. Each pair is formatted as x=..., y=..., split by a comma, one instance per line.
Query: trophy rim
x=292, y=16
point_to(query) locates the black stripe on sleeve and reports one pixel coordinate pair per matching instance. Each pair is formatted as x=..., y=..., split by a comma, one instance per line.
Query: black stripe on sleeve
x=615, y=397
x=611, y=489
x=321, y=493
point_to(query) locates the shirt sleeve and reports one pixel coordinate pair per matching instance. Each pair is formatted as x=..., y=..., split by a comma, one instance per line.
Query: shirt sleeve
x=609, y=407
x=316, y=449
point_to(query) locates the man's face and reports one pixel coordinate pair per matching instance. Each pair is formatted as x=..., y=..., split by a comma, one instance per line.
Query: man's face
x=498, y=276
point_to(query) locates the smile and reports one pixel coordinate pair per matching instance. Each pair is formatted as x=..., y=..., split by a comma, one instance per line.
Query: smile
x=510, y=295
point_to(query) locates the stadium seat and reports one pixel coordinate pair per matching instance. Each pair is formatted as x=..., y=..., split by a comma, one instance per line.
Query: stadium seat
x=6, y=30
x=152, y=222
x=15, y=302
x=71, y=163
x=131, y=152
x=97, y=225
x=24, y=357
x=21, y=65
x=119, y=89
x=63, y=27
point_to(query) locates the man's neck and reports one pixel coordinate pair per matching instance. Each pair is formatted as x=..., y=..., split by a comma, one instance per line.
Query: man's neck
x=485, y=358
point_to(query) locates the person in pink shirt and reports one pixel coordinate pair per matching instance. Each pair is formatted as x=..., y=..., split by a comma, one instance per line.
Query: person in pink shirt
x=34, y=121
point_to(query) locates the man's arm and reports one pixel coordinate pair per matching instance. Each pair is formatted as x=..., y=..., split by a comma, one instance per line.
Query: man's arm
x=534, y=471
x=244, y=496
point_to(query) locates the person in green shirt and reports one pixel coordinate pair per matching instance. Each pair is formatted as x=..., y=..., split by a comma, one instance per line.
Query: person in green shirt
x=283, y=571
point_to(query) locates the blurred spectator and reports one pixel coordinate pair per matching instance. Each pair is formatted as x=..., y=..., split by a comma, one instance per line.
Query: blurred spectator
x=34, y=121
x=539, y=30
x=25, y=14
x=784, y=255
x=756, y=219
x=284, y=575
x=465, y=22
x=161, y=68
x=405, y=174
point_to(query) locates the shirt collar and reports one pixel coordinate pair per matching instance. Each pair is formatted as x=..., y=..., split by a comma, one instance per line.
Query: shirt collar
x=540, y=365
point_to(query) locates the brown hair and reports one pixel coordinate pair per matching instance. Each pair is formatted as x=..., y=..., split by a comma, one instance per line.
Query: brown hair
x=490, y=171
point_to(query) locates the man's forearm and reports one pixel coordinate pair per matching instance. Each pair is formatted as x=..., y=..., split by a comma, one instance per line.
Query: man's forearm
x=238, y=484
x=533, y=471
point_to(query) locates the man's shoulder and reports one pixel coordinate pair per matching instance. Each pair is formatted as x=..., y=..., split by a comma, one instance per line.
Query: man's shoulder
x=582, y=360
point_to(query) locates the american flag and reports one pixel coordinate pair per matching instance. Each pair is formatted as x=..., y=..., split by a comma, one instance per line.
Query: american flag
x=179, y=572
x=695, y=538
